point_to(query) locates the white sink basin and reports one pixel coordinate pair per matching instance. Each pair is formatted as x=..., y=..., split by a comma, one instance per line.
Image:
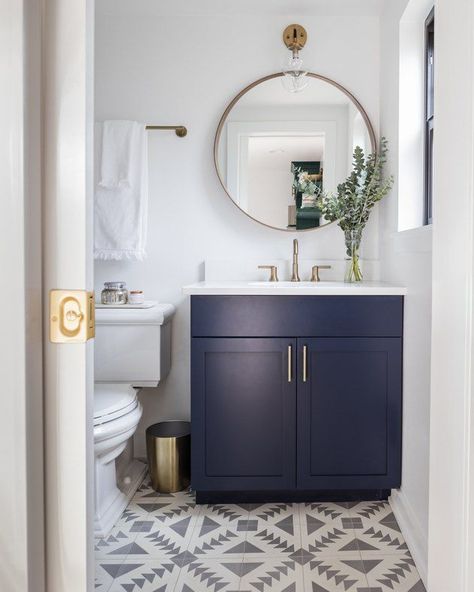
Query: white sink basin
x=285, y=288
x=285, y=284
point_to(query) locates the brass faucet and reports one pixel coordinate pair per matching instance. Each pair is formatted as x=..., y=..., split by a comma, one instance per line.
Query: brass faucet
x=273, y=272
x=295, y=275
x=315, y=272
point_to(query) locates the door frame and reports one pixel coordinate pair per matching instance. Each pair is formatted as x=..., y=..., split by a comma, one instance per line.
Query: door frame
x=67, y=151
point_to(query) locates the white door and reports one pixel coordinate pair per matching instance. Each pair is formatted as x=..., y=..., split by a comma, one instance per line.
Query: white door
x=67, y=256
x=45, y=153
x=21, y=431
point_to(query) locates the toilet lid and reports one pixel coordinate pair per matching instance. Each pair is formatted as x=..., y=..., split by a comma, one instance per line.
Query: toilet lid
x=112, y=401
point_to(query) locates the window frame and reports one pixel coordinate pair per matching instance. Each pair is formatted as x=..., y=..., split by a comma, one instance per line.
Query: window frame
x=429, y=45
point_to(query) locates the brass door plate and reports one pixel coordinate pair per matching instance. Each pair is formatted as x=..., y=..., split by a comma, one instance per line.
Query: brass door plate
x=71, y=316
x=295, y=36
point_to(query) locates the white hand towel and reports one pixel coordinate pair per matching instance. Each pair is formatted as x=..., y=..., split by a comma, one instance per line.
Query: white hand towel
x=119, y=145
x=121, y=213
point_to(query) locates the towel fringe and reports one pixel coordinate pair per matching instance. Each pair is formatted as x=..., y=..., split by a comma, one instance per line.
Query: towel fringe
x=119, y=255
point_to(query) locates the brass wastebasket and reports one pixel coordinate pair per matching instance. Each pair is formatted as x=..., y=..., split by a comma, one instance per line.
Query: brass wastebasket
x=168, y=446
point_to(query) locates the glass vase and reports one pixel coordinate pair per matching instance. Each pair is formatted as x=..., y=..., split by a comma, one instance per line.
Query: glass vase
x=353, y=272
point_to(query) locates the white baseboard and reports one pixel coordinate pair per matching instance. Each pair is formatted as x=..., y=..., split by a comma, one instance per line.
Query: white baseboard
x=412, y=532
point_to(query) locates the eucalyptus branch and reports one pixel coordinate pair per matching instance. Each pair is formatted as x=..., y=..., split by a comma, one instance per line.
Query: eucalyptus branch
x=351, y=205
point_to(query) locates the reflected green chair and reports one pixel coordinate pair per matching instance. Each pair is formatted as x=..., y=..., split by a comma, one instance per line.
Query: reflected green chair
x=307, y=218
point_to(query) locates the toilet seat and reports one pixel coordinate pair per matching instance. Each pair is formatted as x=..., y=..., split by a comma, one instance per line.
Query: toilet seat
x=112, y=401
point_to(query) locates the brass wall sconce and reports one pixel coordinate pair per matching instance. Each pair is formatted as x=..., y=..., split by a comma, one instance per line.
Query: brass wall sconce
x=294, y=79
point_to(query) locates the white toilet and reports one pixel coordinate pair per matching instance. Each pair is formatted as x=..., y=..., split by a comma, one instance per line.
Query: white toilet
x=132, y=350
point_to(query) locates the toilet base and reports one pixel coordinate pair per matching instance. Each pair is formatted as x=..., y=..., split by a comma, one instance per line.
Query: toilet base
x=120, y=499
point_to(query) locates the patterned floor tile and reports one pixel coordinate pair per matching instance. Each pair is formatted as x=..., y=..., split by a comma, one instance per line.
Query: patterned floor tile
x=273, y=512
x=383, y=538
x=376, y=510
x=218, y=537
x=167, y=543
x=324, y=573
x=105, y=572
x=392, y=574
x=164, y=540
x=228, y=513
x=327, y=528
x=275, y=534
x=164, y=508
x=330, y=510
x=146, y=576
x=275, y=574
x=117, y=544
x=210, y=575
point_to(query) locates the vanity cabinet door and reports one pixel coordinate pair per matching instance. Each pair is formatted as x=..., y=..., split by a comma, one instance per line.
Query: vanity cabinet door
x=243, y=414
x=349, y=413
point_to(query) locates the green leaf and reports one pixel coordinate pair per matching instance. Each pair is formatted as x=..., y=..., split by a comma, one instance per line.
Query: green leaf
x=355, y=197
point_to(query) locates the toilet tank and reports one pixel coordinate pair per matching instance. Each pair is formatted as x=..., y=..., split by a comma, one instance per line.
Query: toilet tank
x=133, y=345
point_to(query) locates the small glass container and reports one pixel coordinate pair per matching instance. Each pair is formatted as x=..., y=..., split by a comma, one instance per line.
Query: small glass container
x=114, y=293
x=136, y=297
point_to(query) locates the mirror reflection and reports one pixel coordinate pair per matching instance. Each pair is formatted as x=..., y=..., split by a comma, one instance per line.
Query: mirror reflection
x=276, y=151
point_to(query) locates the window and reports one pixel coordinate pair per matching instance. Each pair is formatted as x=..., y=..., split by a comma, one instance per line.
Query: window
x=429, y=116
x=416, y=115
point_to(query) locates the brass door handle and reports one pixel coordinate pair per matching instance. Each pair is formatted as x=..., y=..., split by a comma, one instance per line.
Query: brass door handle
x=305, y=363
x=290, y=363
x=72, y=316
x=273, y=272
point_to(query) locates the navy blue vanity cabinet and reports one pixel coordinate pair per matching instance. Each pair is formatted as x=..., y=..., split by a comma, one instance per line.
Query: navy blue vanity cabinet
x=349, y=413
x=295, y=396
x=243, y=414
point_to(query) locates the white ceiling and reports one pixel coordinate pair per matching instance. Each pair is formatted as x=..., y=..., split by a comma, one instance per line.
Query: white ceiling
x=230, y=7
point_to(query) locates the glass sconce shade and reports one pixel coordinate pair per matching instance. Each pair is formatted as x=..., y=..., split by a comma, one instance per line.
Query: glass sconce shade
x=294, y=79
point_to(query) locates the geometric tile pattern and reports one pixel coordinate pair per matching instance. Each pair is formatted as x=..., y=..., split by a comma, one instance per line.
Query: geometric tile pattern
x=166, y=543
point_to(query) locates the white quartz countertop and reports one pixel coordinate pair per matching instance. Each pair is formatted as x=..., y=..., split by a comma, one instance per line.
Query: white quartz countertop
x=284, y=288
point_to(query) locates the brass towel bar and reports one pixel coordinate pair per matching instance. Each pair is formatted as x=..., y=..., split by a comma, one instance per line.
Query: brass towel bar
x=180, y=130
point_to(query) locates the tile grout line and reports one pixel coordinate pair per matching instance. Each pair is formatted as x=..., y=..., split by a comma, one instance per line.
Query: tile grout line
x=181, y=566
x=113, y=579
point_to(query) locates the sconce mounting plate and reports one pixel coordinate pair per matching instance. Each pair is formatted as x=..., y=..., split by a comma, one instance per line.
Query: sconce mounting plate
x=295, y=36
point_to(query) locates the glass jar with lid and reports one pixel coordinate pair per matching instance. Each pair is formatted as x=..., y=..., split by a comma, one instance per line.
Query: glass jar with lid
x=114, y=293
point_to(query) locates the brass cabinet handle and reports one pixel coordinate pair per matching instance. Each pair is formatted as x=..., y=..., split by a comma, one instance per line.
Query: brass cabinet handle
x=305, y=363
x=290, y=363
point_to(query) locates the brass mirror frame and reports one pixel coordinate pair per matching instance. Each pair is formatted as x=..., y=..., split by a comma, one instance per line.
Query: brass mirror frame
x=230, y=106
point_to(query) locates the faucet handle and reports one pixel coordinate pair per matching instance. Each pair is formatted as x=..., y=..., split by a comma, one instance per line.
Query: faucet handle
x=273, y=272
x=315, y=272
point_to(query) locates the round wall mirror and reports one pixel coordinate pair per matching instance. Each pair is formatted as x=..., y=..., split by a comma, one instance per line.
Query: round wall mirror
x=269, y=142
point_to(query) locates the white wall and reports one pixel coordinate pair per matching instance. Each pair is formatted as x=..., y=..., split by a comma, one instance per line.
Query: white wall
x=406, y=258
x=451, y=541
x=141, y=75
x=270, y=194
